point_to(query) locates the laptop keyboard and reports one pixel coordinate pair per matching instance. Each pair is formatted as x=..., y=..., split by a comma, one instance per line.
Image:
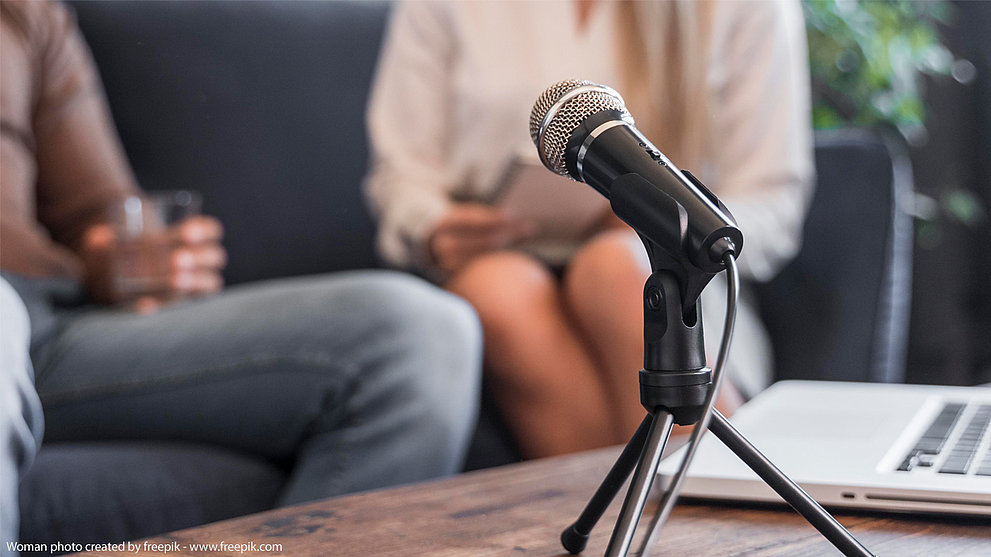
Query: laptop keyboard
x=966, y=454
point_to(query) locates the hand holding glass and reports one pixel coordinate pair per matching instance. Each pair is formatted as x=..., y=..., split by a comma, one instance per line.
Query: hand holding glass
x=161, y=249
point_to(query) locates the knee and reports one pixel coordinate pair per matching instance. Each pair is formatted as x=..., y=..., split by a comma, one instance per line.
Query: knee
x=504, y=288
x=415, y=349
x=370, y=306
x=403, y=330
x=21, y=419
x=16, y=331
x=15, y=340
x=611, y=264
x=438, y=336
x=433, y=329
x=407, y=307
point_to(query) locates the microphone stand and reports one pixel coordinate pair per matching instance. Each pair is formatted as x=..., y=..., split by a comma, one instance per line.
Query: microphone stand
x=675, y=386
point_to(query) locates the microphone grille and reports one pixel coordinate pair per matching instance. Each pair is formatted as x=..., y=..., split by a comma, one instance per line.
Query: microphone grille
x=560, y=109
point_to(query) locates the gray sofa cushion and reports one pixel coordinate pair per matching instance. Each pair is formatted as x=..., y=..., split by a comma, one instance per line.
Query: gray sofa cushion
x=258, y=105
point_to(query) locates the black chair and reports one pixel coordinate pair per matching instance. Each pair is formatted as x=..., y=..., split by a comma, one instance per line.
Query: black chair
x=839, y=311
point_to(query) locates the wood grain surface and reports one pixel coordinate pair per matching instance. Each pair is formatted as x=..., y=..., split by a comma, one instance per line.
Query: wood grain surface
x=521, y=510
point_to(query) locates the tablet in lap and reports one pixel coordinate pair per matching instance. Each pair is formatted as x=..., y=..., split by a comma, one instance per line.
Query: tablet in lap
x=561, y=208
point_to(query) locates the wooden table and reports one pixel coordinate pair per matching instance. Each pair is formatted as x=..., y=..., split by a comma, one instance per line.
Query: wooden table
x=521, y=510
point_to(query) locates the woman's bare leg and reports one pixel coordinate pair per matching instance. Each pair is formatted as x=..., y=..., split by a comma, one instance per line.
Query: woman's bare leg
x=603, y=289
x=543, y=378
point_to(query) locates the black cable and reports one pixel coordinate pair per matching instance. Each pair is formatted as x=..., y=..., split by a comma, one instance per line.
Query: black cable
x=671, y=495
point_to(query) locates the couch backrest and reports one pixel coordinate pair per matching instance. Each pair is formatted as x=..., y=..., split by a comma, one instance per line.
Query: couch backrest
x=840, y=309
x=260, y=106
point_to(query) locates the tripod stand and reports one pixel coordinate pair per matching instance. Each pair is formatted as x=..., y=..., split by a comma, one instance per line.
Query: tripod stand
x=676, y=387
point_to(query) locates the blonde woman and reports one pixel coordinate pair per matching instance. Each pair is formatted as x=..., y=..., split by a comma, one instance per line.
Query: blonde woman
x=721, y=87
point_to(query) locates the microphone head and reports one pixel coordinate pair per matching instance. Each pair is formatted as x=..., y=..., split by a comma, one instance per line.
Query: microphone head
x=560, y=109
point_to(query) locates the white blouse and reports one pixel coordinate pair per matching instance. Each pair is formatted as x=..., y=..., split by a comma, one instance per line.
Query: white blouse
x=456, y=82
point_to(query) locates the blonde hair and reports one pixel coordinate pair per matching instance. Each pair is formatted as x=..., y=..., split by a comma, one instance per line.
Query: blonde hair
x=663, y=51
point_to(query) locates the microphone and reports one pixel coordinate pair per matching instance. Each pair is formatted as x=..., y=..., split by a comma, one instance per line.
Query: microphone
x=583, y=130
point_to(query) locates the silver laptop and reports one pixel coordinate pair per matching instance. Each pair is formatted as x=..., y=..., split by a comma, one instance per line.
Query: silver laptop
x=858, y=445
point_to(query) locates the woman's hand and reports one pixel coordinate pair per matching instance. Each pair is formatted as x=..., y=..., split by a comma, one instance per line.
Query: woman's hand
x=472, y=229
x=149, y=271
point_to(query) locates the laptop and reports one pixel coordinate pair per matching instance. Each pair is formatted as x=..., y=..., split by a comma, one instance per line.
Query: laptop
x=910, y=448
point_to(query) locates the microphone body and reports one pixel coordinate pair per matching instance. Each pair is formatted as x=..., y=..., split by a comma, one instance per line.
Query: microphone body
x=583, y=130
x=647, y=191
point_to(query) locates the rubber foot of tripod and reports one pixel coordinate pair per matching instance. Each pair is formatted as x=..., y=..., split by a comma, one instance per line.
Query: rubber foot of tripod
x=574, y=542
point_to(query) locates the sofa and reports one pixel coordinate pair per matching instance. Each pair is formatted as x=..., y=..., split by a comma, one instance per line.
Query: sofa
x=260, y=105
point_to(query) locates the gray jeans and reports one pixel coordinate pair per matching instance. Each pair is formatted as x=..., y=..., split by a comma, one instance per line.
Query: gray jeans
x=361, y=380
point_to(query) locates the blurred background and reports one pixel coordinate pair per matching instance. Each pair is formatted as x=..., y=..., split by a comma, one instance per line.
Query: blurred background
x=918, y=72
x=915, y=71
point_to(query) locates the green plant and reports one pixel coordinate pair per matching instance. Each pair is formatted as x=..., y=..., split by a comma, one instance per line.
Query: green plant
x=868, y=58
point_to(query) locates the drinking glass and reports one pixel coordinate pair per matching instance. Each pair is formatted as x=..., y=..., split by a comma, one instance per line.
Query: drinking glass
x=143, y=225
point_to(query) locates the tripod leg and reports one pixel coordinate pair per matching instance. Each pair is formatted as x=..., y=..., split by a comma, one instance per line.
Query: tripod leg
x=575, y=537
x=786, y=488
x=636, y=497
